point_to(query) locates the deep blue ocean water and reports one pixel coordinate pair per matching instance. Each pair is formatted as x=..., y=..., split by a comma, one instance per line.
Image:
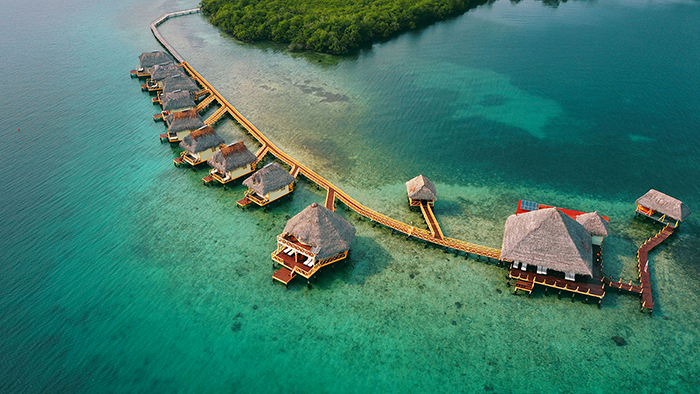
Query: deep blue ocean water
x=121, y=273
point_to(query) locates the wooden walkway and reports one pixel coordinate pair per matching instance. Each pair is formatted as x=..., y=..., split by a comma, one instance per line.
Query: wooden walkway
x=298, y=168
x=215, y=116
x=429, y=216
x=644, y=288
x=330, y=200
x=205, y=103
x=643, y=265
x=165, y=17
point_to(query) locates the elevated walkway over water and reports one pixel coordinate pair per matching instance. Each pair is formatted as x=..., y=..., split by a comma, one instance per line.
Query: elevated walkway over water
x=434, y=236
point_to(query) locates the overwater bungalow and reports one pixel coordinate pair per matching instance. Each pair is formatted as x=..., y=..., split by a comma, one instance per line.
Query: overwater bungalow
x=549, y=248
x=267, y=185
x=158, y=74
x=200, y=145
x=179, y=100
x=149, y=59
x=312, y=239
x=596, y=225
x=178, y=82
x=662, y=208
x=230, y=163
x=180, y=124
x=420, y=189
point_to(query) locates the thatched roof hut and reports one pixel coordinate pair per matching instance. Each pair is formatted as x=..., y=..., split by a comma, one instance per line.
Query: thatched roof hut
x=150, y=59
x=421, y=188
x=594, y=223
x=664, y=204
x=324, y=230
x=179, y=82
x=269, y=178
x=177, y=100
x=161, y=71
x=232, y=157
x=184, y=120
x=548, y=238
x=201, y=139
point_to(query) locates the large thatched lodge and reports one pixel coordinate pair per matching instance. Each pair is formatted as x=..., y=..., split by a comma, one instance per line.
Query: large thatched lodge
x=230, y=163
x=662, y=208
x=149, y=59
x=199, y=146
x=312, y=239
x=267, y=185
x=556, y=249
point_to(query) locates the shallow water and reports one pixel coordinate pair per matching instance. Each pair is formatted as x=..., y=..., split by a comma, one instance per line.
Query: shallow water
x=121, y=273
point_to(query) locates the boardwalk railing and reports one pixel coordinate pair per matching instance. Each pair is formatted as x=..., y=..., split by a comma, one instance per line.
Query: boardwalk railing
x=163, y=41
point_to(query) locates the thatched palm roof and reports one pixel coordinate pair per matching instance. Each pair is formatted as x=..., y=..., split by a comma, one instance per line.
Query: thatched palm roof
x=161, y=71
x=232, y=157
x=421, y=188
x=594, y=223
x=548, y=238
x=324, y=230
x=150, y=59
x=184, y=120
x=177, y=100
x=201, y=139
x=665, y=204
x=269, y=178
x=179, y=82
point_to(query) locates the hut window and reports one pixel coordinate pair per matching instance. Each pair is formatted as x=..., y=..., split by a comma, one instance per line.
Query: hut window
x=570, y=276
x=542, y=270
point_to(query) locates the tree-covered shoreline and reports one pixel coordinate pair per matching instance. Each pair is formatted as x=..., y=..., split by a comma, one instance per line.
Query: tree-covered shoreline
x=331, y=26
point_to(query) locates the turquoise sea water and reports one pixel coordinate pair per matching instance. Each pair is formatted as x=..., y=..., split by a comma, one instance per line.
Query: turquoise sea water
x=121, y=273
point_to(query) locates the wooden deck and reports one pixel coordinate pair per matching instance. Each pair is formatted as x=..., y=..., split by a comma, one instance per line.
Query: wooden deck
x=587, y=289
x=244, y=202
x=659, y=217
x=283, y=275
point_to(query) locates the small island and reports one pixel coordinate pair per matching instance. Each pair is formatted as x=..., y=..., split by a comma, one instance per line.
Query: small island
x=332, y=26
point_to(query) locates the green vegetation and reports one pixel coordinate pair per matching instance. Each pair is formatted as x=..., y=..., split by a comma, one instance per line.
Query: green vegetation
x=333, y=26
